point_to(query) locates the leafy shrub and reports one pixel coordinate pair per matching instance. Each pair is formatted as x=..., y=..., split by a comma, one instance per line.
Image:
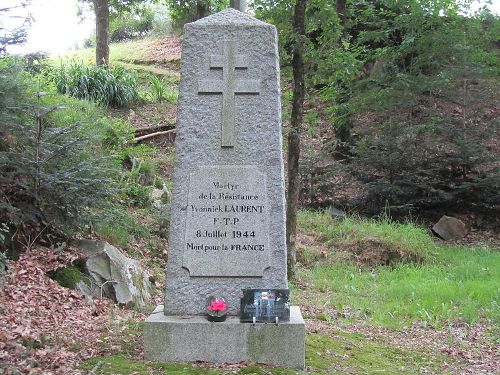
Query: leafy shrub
x=134, y=22
x=117, y=133
x=36, y=62
x=191, y=10
x=108, y=86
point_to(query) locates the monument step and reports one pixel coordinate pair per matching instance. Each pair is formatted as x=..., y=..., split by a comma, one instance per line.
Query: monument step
x=194, y=338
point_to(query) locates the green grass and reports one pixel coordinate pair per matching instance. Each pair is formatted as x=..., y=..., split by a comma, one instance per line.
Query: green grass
x=133, y=51
x=120, y=227
x=457, y=283
x=120, y=364
x=412, y=239
x=353, y=353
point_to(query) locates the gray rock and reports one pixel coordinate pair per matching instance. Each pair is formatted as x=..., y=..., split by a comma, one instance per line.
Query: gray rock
x=159, y=198
x=114, y=275
x=88, y=291
x=335, y=212
x=450, y=228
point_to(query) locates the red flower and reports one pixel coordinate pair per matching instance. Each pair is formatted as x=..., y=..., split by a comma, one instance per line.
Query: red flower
x=217, y=305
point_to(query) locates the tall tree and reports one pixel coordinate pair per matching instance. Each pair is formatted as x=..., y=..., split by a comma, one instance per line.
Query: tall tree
x=294, y=135
x=101, y=8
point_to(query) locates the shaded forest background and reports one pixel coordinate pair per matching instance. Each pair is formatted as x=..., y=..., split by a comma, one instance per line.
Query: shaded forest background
x=400, y=126
x=401, y=110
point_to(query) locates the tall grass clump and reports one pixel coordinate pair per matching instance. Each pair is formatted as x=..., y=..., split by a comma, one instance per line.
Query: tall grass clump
x=413, y=240
x=158, y=88
x=112, y=86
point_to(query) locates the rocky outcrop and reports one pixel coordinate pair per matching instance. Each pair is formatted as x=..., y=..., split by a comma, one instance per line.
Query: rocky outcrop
x=114, y=275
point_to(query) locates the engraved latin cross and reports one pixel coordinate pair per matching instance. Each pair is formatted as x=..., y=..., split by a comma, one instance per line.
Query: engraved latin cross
x=228, y=87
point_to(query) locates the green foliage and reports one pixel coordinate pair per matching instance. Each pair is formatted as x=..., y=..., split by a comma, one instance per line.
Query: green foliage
x=158, y=88
x=458, y=284
x=182, y=12
x=3, y=266
x=162, y=24
x=133, y=22
x=426, y=166
x=415, y=80
x=119, y=227
x=67, y=276
x=429, y=82
x=162, y=218
x=36, y=62
x=117, y=134
x=51, y=175
x=108, y=86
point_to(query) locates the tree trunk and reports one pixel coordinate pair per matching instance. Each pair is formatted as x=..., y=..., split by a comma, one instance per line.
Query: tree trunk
x=237, y=4
x=101, y=8
x=342, y=131
x=294, y=137
x=341, y=11
x=202, y=9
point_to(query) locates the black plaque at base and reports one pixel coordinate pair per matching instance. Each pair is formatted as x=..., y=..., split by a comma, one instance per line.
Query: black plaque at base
x=265, y=305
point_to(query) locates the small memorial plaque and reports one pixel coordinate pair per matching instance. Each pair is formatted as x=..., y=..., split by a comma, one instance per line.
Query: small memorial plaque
x=265, y=305
x=227, y=222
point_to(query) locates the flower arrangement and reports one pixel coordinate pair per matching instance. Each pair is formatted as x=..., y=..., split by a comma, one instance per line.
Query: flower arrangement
x=216, y=308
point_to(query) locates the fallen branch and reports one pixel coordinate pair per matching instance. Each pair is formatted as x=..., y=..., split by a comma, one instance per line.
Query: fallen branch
x=143, y=137
x=153, y=129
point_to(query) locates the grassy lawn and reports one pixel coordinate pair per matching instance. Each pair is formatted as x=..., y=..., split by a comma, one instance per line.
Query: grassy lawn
x=139, y=51
x=448, y=283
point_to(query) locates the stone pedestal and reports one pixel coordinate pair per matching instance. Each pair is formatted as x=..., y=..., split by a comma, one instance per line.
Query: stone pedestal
x=194, y=338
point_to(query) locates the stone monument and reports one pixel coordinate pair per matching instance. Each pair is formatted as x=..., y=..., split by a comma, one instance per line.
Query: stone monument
x=227, y=230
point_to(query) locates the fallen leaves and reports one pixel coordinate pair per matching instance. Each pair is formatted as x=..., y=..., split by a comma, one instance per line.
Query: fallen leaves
x=45, y=328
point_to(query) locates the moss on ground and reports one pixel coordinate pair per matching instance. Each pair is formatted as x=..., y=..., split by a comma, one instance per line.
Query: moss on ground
x=67, y=276
x=338, y=352
x=120, y=364
x=354, y=353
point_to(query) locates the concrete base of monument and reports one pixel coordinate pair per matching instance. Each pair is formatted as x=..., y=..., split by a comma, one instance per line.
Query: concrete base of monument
x=194, y=338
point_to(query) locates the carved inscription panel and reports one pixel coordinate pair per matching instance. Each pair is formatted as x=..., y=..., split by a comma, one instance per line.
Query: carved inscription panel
x=227, y=222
